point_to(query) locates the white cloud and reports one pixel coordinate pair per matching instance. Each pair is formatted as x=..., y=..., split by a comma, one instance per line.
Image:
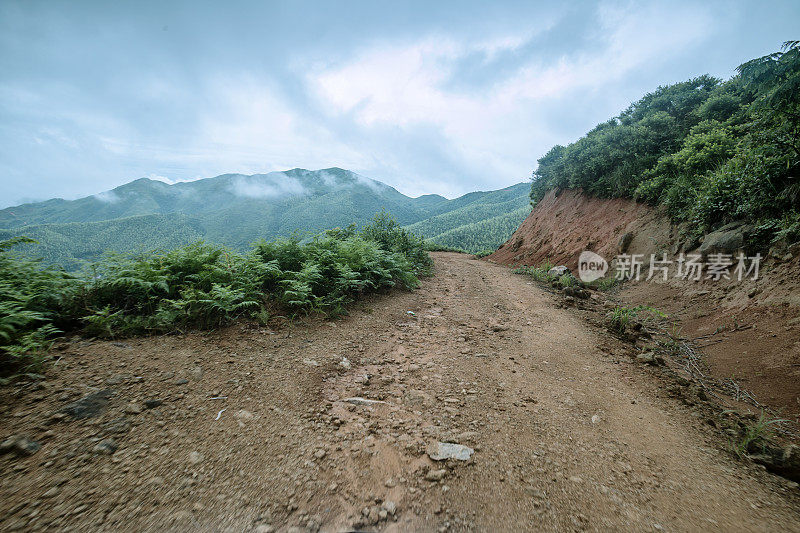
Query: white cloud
x=172, y=181
x=108, y=197
x=250, y=126
x=501, y=130
x=272, y=185
x=445, y=99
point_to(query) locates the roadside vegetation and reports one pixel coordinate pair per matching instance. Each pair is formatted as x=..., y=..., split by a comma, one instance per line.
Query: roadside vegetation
x=198, y=286
x=757, y=435
x=710, y=151
x=620, y=318
x=538, y=273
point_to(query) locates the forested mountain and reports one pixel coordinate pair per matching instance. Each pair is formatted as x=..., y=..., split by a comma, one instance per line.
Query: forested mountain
x=71, y=244
x=483, y=235
x=477, y=221
x=278, y=199
x=711, y=151
x=236, y=210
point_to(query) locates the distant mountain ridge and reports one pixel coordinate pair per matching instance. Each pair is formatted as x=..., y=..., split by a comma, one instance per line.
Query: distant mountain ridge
x=238, y=209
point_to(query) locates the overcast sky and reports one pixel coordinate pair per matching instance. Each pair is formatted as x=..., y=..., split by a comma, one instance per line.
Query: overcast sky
x=429, y=97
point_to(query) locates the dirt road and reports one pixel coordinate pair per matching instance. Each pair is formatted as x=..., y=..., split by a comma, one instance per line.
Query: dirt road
x=254, y=433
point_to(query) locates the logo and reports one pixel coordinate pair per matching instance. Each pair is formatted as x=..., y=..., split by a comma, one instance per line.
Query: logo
x=591, y=266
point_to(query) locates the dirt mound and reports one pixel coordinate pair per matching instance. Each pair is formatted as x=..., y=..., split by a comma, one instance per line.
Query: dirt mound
x=748, y=329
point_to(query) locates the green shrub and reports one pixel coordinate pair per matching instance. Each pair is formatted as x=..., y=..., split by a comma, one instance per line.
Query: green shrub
x=34, y=303
x=709, y=151
x=198, y=286
x=385, y=231
x=620, y=317
x=567, y=280
x=757, y=435
x=607, y=283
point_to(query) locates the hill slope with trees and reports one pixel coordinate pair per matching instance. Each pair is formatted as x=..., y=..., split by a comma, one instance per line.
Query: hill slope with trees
x=236, y=210
x=710, y=151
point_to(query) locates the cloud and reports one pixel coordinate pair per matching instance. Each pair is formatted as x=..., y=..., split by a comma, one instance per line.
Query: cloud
x=371, y=183
x=428, y=97
x=500, y=129
x=273, y=185
x=171, y=181
x=107, y=197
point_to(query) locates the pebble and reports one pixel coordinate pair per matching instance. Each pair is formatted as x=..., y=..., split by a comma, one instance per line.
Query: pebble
x=57, y=417
x=88, y=406
x=648, y=358
x=19, y=445
x=54, y=491
x=133, y=409
x=196, y=372
x=105, y=447
x=152, y=403
x=390, y=507
x=435, y=475
x=441, y=451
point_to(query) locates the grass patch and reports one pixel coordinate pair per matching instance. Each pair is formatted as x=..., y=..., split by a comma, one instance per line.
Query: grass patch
x=621, y=317
x=606, y=284
x=756, y=435
x=538, y=273
x=567, y=280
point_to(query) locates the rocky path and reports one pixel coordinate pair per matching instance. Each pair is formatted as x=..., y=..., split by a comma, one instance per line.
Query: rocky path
x=331, y=426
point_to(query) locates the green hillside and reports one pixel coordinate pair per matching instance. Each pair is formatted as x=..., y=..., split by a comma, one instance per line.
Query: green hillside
x=236, y=210
x=72, y=244
x=487, y=234
x=710, y=151
x=211, y=199
x=477, y=221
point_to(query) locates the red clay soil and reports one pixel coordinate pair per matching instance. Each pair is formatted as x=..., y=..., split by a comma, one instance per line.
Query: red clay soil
x=757, y=323
x=755, y=343
x=563, y=225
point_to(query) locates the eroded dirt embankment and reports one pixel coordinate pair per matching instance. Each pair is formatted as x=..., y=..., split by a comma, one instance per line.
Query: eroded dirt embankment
x=750, y=329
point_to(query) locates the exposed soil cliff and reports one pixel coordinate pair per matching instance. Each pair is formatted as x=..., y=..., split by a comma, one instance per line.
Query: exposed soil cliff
x=749, y=330
x=563, y=225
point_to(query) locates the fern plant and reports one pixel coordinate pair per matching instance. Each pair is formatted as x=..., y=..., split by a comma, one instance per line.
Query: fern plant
x=199, y=286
